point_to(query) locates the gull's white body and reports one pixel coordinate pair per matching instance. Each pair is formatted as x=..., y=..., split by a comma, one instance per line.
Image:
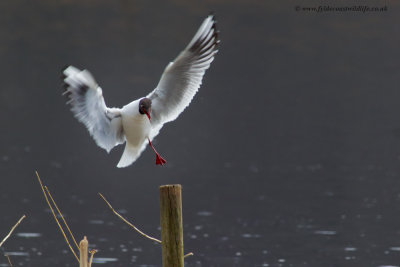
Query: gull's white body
x=178, y=85
x=137, y=129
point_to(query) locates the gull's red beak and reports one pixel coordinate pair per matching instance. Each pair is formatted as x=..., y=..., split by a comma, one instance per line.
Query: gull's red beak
x=148, y=114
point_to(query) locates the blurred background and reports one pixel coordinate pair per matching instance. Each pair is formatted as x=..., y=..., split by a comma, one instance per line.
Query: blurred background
x=289, y=155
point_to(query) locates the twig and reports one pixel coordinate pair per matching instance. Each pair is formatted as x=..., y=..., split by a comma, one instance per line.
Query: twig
x=62, y=217
x=55, y=217
x=134, y=227
x=189, y=254
x=9, y=260
x=92, y=252
x=12, y=230
x=127, y=222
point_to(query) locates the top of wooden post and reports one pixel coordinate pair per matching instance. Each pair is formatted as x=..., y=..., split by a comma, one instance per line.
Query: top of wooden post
x=170, y=185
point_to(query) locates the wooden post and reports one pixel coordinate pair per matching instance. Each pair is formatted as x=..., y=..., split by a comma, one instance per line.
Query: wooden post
x=83, y=252
x=171, y=225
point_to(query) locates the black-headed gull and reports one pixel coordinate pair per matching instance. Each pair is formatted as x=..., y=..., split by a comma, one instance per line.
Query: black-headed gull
x=138, y=122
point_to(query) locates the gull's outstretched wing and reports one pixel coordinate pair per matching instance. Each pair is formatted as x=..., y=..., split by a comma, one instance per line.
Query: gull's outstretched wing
x=87, y=104
x=182, y=77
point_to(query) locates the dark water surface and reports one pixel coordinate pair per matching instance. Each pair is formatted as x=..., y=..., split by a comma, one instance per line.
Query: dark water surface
x=288, y=156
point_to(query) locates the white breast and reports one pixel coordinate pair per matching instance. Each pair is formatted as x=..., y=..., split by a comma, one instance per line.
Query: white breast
x=136, y=126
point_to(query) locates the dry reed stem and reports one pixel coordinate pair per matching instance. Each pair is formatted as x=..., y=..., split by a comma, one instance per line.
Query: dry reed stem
x=55, y=217
x=127, y=222
x=83, y=252
x=189, y=254
x=12, y=230
x=59, y=212
x=92, y=252
x=9, y=260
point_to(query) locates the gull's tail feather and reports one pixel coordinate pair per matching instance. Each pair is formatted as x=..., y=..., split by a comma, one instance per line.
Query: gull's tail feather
x=131, y=153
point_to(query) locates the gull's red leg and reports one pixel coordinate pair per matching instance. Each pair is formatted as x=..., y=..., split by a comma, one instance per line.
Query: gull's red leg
x=159, y=159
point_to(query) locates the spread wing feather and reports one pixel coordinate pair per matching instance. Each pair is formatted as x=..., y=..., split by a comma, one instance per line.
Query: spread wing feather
x=88, y=106
x=182, y=77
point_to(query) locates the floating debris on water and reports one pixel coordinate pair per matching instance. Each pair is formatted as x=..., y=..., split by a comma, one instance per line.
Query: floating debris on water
x=17, y=253
x=204, y=213
x=122, y=211
x=29, y=235
x=56, y=164
x=104, y=260
x=324, y=232
x=251, y=235
x=224, y=238
x=305, y=226
x=198, y=227
x=96, y=222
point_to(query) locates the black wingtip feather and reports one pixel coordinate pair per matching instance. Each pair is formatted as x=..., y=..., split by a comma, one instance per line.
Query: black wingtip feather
x=206, y=40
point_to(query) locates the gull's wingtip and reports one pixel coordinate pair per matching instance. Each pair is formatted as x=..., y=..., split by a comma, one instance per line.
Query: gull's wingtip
x=69, y=69
x=63, y=69
x=66, y=66
x=211, y=16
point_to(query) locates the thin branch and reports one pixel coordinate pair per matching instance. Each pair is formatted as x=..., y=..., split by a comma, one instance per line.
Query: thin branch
x=55, y=217
x=127, y=222
x=9, y=260
x=62, y=217
x=12, y=230
x=189, y=254
x=92, y=252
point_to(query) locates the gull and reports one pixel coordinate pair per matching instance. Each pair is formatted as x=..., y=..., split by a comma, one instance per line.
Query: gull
x=137, y=123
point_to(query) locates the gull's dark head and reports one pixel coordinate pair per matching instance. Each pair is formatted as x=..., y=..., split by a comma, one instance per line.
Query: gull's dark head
x=145, y=107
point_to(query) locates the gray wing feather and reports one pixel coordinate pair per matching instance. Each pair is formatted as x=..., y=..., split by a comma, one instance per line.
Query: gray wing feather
x=88, y=106
x=182, y=77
